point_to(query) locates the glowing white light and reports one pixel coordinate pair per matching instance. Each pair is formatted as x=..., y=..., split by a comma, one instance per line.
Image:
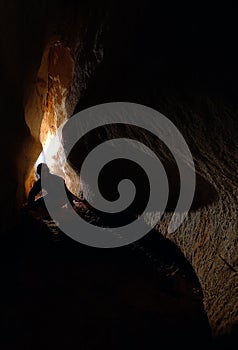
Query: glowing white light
x=41, y=159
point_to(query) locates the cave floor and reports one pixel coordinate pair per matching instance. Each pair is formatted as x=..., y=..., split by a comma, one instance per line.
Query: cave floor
x=59, y=294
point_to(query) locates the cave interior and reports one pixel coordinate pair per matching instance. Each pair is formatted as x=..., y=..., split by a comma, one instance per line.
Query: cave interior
x=62, y=57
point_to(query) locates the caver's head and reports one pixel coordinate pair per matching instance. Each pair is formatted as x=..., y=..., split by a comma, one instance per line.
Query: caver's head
x=42, y=169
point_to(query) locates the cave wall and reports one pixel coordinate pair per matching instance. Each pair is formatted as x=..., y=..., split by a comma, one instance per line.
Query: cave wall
x=160, y=57
x=44, y=106
x=173, y=67
x=208, y=238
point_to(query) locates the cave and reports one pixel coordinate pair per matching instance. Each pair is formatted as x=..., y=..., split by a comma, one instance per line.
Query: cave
x=168, y=288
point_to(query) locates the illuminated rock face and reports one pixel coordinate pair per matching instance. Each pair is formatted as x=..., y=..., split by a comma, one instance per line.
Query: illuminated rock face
x=52, y=89
x=46, y=67
x=49, y=93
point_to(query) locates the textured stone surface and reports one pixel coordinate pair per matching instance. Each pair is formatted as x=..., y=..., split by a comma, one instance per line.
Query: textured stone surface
x=208, y=238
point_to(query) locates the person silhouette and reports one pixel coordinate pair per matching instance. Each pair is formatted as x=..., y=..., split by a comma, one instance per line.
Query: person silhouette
x=53, y=185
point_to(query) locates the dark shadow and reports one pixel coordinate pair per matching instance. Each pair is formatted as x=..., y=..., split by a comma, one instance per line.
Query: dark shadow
x=58, y=293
